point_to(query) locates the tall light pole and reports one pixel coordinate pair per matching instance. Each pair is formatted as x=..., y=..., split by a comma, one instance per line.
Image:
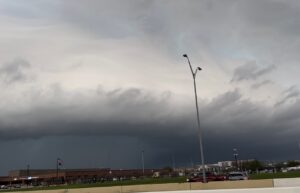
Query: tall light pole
x=28, y=167
x=235, y=154
x=143, y=163
x=194, y=73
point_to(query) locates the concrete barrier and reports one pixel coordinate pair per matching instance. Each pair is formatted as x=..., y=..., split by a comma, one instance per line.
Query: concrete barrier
x=248, y=186
x=286, y=182
x=253, y=190
x=120, y=190
x=268, y=183
x=168, y=187
x=198, y=186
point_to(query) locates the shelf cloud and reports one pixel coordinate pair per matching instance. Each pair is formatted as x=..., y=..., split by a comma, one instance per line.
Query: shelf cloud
x=104, y=80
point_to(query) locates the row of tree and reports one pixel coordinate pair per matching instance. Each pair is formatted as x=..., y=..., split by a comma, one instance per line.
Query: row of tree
x=258, y=165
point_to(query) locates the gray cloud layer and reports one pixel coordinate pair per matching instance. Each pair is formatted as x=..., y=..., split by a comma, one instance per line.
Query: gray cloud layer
x=290, y=93
x=14, y=71
x=250, y=71
x=140, y=121
x=260, y=84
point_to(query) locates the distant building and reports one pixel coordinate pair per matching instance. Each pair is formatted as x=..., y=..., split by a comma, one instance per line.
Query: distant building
x=225, y=164
x=70, y=176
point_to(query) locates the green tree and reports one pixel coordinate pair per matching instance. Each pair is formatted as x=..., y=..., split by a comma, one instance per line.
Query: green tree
x=168, y=168
x=280, y=165
x=253, y=165
x=292, y=163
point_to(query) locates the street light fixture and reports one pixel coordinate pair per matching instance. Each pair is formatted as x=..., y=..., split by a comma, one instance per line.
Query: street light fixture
x=235, y=154
x=198, y=119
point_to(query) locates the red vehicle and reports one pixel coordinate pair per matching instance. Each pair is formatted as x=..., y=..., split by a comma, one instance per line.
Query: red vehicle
x=197, y=177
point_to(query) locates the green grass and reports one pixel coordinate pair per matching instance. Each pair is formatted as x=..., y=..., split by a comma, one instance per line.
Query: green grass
x=107, y=184
x=294, y=174
x=149, y=181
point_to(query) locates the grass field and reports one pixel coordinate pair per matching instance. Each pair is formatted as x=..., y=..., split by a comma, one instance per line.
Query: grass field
x=107, y=184
x=295, y=174
x=150, y=181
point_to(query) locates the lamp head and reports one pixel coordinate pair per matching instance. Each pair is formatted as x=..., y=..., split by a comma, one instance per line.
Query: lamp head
x=185, y=55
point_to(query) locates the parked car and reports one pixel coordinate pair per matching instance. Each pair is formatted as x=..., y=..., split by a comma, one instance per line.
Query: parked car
x=237, y=176
x=17, y=185
x=197, y=177
x=3, y=187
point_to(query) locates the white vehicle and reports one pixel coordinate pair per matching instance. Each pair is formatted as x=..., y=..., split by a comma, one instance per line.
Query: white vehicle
x=3, y=187
x=237, y=176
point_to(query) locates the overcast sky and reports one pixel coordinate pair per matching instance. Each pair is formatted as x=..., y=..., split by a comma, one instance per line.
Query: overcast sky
x=97, y=82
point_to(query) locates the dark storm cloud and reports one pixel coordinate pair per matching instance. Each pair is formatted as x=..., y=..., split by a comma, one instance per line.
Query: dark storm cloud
x=134, y=117
x=120, y=112
x=14, y=71
x=247, y=125
x=250, y=71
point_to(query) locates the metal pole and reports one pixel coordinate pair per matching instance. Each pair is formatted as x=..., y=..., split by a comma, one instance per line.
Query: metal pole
x=173, y=162
x=143, y=163
x=235, y=157
x=200, y=133
x=28, y=167
x=57, y=170
x=198, y=118
x=192, y=163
